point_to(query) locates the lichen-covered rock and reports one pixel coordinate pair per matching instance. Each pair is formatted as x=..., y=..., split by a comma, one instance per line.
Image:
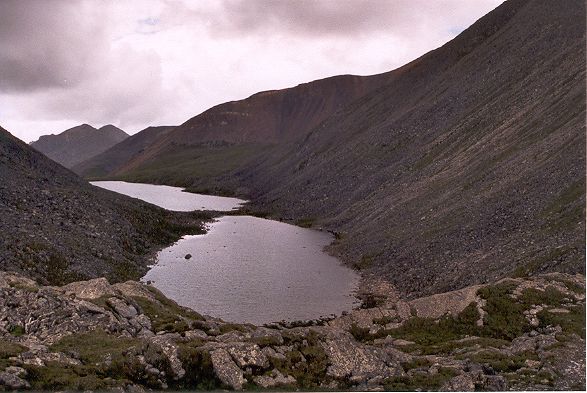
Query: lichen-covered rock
x=122, y=308
x=349, y=359
x=248, y=355
x=90, y=289
x=274, y=379
x=12, y=381
x=167, y=343
x=265, y=336
x=226, y=369
x=460, y=383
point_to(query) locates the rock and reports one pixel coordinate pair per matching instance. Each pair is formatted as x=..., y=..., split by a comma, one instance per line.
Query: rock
x=349, y=359
x=196, y=334
x=231, y=337
x=273, y=380
x=265, y=336
x=167, y=344
x=495, y=383
x=18, y=371
x=226, y=369
x=451, y=303
x=13, y=381
x=460, y=383
x=402, y=343
x=248, y=355
x=188, y=256
x=272, y=353
x=91, y=289
x=122, y=308
x=523, y=344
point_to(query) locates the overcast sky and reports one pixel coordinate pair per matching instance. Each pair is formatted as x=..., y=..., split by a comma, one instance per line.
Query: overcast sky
x=157, y=62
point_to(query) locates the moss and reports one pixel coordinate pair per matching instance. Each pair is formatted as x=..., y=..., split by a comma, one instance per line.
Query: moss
x=198, y=367
x=504, y=318
x=419, y=382
x=416, y=363
x=56, y=376
x=95, y=346
x=550, y=296
x=16, y=330
x=456, y=346
x=305, y=222
x=502, y=362
x=165, y=314
x=572, y=322
x=229, y=327
x=311, y=373
x=9, y=349
x=385, y=320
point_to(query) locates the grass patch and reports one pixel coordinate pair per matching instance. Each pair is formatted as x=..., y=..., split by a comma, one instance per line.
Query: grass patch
x=166, y=315
x=311, y=373
x=420, y=382
x=305, y=222
x=502, y=362
x=572, y=322
x=504, y=318
x=198, y=367
x=95, y=346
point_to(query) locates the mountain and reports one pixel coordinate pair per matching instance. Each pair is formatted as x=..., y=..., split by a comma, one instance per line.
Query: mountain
x=57, y=228
x=79, y=143
x=464, y=166
x=111, y=159
x=227, y=136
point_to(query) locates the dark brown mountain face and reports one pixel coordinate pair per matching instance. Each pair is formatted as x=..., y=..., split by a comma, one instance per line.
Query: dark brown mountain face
x=113, y=158
x=228, y=136
x=58, y=228
x=78, y=144
x=464, y=166
x=468, y=167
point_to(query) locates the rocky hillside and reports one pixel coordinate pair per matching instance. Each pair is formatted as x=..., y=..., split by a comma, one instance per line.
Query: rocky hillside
x=79, y=143
x=522, y=334
x=116, y=156
x=464, y=166
x=58, y=228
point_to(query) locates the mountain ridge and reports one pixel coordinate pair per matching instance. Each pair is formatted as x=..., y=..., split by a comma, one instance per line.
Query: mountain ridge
x=79, y=143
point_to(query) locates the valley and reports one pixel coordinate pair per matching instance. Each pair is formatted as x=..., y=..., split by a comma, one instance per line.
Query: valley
x=417, y=229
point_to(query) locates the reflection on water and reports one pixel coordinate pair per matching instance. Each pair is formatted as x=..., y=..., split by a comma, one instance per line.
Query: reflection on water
x=248, y=269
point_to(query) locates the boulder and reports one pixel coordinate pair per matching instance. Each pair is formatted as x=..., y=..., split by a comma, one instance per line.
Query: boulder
x=12, y=381
x=352, y=360
x=91, y=289
x=226, y=369
x=248, y=355
x=274, y=379
x=460, y=383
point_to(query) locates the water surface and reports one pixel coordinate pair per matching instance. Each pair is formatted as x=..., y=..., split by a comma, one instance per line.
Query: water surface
x=245, y=269
x=171, y=198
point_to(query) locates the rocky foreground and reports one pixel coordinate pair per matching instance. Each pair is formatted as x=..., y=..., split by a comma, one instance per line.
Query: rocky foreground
x=525, y=333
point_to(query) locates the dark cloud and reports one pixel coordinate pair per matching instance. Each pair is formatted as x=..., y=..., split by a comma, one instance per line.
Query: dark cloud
x=134, y=63
x=341, y=17
x=47, y=43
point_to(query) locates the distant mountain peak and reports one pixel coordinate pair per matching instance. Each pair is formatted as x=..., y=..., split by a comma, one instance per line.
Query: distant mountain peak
x=79, y=143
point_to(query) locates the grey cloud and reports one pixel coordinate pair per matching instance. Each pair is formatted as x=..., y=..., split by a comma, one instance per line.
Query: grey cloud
x=47, y=43
x=339, y=17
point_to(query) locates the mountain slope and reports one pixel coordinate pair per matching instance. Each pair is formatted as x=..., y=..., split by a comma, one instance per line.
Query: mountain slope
x=114, y=157
x=467, y=167
x=79, y=143
x=463, y=166
x=57, y=228
x=229, y=135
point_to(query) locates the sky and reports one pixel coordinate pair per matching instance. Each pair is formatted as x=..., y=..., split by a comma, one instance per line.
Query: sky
x=137, y=63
